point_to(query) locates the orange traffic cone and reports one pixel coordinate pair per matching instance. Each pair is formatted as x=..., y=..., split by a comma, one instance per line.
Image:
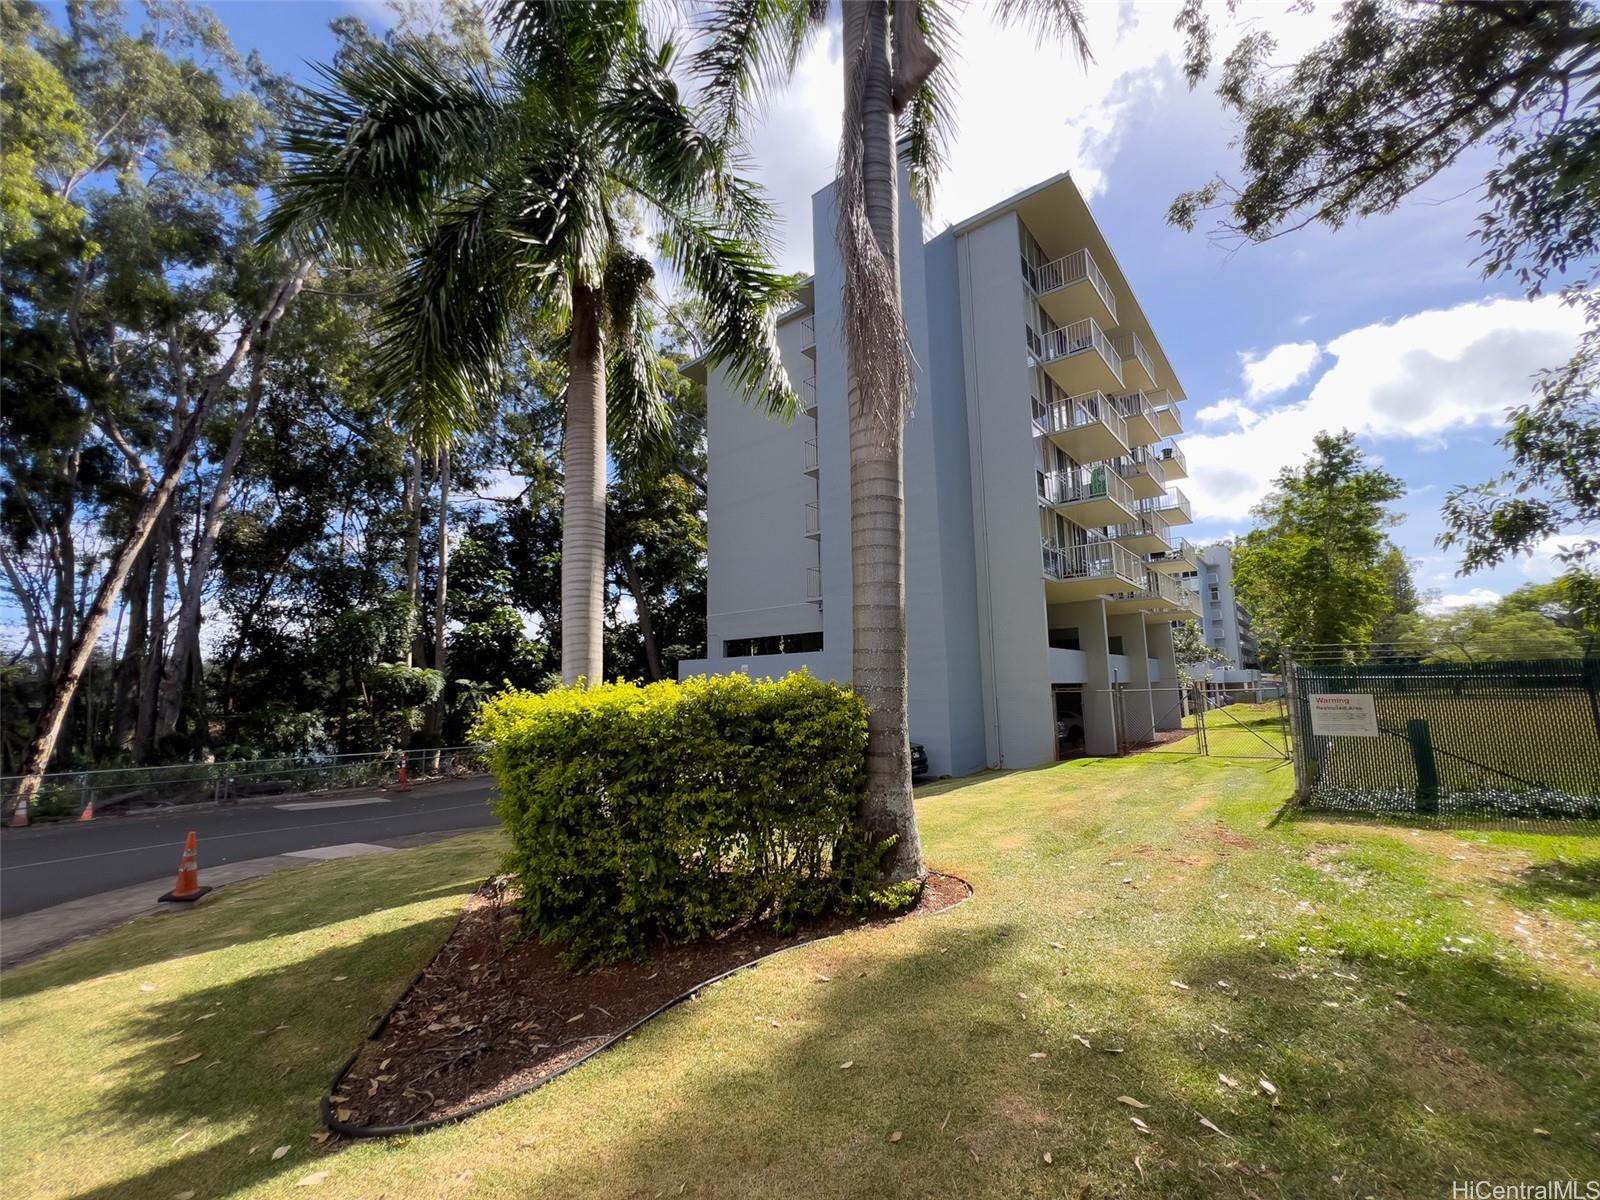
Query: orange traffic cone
x=188, y=885
x=404, y=782
x=19, y=816
x=88, y=812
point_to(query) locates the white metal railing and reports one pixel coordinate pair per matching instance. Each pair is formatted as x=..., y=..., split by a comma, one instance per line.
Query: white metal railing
x=1127, y=344
x=808, y=333
x=1079, y=338
x=813, y=517
x=1077, y=267
x=1086, y=408
x=1173, y=501
x=1136, y=404
x=1182, y=551
x=1171, y=454
x=1142, y=461
x=808, y=395
x=1085, y=483
x=811, y=454
x=1147, y=524
x=1092, y=560
x=813, y=583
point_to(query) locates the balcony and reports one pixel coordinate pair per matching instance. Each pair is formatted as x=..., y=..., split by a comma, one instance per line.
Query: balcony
x=808, y=396
x=814, y=520
x=1146, y=533
x=1140, y=416
x=1087, y=427
x=1176, y=464
x=1080, y=358
x=808, y=336
x=812, y=465
x=1073, y=287
x=1084, y=572
x=1158, y=597
x=1174, y=506
x=1182, y=560
x=814, y=583
x=1167, y=421
x=1146, y=473
x=1090, y=497
x=1138, y=368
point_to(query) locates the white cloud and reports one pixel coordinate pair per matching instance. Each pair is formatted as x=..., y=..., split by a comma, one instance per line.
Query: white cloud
x=1479, y=595
x=1228, y=411
x=1414, y=378
x=1544, y=563
x=1279, y=369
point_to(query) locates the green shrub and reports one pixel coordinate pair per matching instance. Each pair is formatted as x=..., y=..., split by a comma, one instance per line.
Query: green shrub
x=679, y=810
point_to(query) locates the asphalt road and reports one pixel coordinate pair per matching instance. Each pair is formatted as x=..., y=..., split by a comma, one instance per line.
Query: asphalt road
x=49, y=864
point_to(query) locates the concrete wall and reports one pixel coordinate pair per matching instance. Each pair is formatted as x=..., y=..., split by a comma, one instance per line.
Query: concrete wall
x=1018, y=723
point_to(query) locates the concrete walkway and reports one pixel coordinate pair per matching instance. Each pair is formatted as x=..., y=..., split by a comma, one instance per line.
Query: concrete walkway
x=31, y=934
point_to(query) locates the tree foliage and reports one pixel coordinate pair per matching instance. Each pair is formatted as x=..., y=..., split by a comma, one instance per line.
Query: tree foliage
x=1313, y=570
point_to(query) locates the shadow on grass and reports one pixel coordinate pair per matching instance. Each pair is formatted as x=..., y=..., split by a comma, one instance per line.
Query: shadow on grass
x=1443, y=822
x=262, y=908
x=1558, y=880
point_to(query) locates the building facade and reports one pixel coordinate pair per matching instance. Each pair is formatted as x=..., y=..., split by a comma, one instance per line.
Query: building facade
x=1226, y=625
x=1042, y=571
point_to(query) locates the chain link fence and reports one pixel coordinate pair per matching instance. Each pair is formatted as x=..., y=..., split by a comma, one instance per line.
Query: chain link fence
x=1396, y=734
x=67, y=795
x=1234, y=720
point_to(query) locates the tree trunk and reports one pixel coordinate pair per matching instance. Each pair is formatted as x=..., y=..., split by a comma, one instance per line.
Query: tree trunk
x=414, y=549
x=48, y=728
x=877, y=436
x=583, y=503
x=144, y=729
x=441, y=590
x=125, y=707
x=182, y=659
x=647, y=627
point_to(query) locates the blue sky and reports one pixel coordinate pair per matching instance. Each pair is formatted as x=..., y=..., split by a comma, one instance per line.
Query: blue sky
x=1385, y=327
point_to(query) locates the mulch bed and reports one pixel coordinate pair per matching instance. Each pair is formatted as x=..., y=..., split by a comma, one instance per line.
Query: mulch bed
x=490, y=1017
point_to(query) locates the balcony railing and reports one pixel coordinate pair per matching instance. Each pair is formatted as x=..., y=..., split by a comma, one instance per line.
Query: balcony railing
x=1075, y=412
x=1147, y=528
x=808, y=395
x=1093, y=560
x=1080, y=337
x=813, y=518
x=1127, y=345
x=1182, y=556
x=1173, y=456
x=808, y=333
x=1077, y=267
x=811, y=456
x=813, y=583
x=1082, y=484
x=1173, y=502
x=1143, y=463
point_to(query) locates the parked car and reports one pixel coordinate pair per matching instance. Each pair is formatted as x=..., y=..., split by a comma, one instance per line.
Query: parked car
x=919, y=760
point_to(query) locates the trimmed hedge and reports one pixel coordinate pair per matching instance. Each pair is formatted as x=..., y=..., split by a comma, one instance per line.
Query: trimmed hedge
x=679, y=810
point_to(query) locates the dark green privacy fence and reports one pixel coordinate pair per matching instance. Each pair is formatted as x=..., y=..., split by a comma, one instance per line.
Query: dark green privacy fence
x=1511, y=738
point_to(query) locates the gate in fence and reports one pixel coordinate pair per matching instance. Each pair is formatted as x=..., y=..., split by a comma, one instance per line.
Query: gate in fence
x=1236, y=720
x=1402, y=735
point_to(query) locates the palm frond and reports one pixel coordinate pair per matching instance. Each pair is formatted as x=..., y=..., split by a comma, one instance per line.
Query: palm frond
x=741, y=292
x=929, y=123
x=1051, y=20
x=445, y=329
x=639, y=418
x=748, y=50
x=568, y=46
x=370, y=155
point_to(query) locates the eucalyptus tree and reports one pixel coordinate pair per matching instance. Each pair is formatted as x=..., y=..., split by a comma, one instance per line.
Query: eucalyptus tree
x=508, y=191
x=893, y=54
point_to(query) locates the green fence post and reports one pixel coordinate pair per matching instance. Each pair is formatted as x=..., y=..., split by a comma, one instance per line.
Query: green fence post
x=1427, y=771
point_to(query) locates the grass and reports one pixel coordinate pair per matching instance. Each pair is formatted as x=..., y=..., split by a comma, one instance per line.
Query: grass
x=1426, y=1003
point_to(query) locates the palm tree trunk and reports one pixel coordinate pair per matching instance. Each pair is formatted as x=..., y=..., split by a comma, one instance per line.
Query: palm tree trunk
x=583, y=503
x=48, y=729
x=877, y=433
x=441, y=590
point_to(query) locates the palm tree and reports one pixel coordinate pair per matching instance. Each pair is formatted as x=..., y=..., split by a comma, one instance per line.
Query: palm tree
x=892, y=53
x=507, y=191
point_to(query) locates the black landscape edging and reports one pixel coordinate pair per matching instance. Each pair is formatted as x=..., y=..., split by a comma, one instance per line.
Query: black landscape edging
x=325, y=1105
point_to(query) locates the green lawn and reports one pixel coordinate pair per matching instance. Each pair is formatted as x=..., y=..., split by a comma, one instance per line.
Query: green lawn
x=1425, y=1003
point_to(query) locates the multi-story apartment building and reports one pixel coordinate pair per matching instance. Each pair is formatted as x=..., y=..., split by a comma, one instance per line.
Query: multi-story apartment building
x=1042, y=571
x=1227, y=626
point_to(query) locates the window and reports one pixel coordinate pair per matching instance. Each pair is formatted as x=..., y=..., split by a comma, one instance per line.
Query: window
x=787, y=643
x=1114, y=643
x=1214, y=593
x=1064, y=639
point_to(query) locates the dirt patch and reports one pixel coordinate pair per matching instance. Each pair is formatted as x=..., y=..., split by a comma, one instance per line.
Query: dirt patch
x=490, y=1016
x=1445, y=1072
x=1228, y=838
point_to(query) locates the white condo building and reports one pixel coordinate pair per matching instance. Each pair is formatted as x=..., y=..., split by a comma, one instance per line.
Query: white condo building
x=1227, y=626
x=1043, y=570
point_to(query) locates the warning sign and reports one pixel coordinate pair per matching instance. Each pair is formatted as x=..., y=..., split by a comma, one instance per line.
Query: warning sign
x=1343, y=715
